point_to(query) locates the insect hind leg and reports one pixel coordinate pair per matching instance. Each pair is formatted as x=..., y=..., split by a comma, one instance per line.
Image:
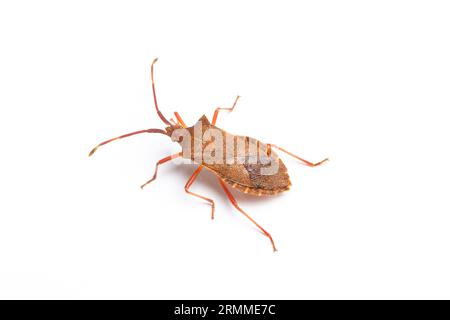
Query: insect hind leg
x=306, y=162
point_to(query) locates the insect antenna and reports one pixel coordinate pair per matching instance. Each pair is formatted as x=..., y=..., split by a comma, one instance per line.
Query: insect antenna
x=127, y=135
x=154, y=98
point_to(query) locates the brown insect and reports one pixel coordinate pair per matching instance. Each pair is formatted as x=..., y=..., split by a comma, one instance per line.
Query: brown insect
x=241, y=168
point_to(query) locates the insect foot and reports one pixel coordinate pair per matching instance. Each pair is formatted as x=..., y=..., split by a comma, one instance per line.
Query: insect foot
x=320, y=162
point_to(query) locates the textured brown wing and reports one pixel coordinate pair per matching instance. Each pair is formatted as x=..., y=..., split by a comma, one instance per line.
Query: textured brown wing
x=248, y=177
x=245, y=165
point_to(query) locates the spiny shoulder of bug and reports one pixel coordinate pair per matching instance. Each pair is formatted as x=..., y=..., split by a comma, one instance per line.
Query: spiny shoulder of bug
x=203, y=123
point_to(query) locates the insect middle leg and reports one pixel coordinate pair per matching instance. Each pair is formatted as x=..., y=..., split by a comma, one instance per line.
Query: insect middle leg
x=163, y=160
x=235, y=204
x=189, y=184
x=306, y=162
x=216, y=112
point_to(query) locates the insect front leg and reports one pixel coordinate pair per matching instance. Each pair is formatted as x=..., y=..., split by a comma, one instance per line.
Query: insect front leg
x=189, y=184
x=163, y=160
x=306, y=162
x=216, y=112
x=180, y=120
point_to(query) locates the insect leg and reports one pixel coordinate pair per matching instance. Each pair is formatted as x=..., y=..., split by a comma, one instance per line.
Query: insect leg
x=163, y=160
x=127, y=135
x=177, y=115
x=235, y=204
x=190, y=182
x=216, y=112
x=309, y=164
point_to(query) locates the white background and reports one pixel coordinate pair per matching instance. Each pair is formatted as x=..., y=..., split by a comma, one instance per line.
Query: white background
x=363, y=82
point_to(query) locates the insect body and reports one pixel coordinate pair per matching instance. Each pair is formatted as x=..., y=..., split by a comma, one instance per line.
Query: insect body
x=244, y=163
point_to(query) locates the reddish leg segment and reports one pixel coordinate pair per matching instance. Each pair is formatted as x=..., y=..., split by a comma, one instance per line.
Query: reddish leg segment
x=309, y=164
x=235, y=204
x=163, y=160
x=177, y=115
x=127, y=135
x=216, y=112
x=190, y=182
